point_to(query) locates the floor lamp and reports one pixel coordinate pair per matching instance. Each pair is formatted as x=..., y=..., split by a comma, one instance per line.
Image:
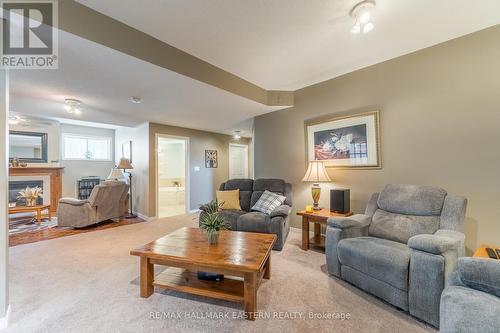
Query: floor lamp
x=126, y=165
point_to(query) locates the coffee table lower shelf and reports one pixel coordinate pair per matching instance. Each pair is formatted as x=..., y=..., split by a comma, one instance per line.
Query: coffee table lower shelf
x=230, y=289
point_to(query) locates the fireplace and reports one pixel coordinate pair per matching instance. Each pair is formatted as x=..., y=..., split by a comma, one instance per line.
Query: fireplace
x=16, y=186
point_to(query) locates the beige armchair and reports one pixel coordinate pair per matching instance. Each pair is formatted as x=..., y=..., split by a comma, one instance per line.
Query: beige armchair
x=108, y=200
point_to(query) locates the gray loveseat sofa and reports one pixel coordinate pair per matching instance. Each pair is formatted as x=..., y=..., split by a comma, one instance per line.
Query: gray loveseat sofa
x=247, y=220
x=402, y=249
x=471, y=301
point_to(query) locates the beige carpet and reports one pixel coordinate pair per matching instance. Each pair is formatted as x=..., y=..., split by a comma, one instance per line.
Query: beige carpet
x=89, y=283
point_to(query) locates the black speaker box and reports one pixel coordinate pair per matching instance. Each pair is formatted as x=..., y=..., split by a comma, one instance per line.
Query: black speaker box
x=340, y=201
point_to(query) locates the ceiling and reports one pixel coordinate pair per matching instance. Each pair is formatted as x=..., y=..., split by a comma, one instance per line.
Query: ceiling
x=290, y=44
x=104, y=80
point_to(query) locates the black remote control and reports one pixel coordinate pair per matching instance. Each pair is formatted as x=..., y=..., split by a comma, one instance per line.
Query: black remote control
x=491, y=253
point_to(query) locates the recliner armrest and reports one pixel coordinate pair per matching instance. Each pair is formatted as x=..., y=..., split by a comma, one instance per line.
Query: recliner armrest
x=73, y=201
x=354, y=221
x=480, y=273
x=433, y=244
x=283, y=210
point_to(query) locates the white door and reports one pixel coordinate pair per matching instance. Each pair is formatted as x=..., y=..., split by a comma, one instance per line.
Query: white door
x=238, y=161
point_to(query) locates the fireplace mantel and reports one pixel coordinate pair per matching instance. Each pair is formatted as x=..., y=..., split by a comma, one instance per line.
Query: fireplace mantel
x=55, y=174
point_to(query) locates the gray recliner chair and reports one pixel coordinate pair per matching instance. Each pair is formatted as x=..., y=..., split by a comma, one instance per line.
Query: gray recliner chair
x=107, y=200
x=402, y=249
x=246, y=220
x=471, y=301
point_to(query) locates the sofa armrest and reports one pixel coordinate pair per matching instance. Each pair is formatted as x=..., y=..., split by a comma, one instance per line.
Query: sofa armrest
x=481, y=274
x=73, y=201
x=283, y=210
x=433, y=244
x=354, y=221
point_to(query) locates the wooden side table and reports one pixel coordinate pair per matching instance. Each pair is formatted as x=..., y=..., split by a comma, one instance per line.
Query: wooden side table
x=318, y=218
x=481, y=251
x=34, y=209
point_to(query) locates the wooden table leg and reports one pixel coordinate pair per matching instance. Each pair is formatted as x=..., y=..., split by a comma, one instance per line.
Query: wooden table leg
x=147, y=276
x=39, y=216
x=250, y=294
x=305, y=233
x=50, y=214
x=317, y=231
x=267, y=268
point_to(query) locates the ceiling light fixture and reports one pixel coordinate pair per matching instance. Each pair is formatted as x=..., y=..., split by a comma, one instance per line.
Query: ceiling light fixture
x=362, y=13
x=237, y=135
x=136, y=100
x=72, y=106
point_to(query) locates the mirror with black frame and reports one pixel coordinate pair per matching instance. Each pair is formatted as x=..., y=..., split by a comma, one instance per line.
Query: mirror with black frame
x=29, y=147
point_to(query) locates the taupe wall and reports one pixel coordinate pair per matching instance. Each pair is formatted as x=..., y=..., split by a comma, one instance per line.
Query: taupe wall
x=440, y=125
x=204, y=182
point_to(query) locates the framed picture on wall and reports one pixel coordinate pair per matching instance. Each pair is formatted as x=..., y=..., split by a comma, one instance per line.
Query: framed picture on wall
x=351, y=141
x=127, y=150
x=210, y=158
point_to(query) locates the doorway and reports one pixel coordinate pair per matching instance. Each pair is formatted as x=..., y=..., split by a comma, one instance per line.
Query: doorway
x=172, y=177
x=238, y=161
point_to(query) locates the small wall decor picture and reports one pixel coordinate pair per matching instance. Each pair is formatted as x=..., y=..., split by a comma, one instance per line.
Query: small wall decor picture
x=127, y=150
x=346, y=141
x=210, y=158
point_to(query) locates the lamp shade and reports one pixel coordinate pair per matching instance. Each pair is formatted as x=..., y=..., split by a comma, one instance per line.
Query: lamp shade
x=316, y=173
x=124, y=164
x=116, y=174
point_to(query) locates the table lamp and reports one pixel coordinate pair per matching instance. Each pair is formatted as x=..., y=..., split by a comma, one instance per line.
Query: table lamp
x=116, y=174
x=125, y=164
x=316, y=173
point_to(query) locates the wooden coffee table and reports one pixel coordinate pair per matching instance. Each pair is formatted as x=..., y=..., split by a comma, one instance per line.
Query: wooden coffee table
x=33, y=209
x=319, y=218
x=243, y=257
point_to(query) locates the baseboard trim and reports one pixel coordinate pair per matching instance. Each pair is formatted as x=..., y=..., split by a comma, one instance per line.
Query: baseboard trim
x=4, y=321
x=142, y=216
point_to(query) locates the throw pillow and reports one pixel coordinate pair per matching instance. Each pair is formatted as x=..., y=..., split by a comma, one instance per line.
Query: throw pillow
x=229, y=199
x=268, y=202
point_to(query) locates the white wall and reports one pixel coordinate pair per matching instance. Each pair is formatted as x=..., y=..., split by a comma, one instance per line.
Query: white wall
x=74, y=170
x=140, y=161
x=4, y=180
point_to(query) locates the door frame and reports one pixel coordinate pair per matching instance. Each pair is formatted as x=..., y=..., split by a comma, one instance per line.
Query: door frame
x=187, y=168
x=240, y=145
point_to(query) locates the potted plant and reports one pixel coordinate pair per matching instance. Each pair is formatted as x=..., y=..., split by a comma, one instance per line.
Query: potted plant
x=30, y=195
x=211, y=221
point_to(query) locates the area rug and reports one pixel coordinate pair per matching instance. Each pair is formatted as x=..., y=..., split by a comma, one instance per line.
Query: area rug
x=89, y=283
x=30, y=225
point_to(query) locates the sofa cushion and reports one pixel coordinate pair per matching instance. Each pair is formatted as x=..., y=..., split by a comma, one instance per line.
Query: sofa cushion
x=399, y=227
x=381, y=259
x=229, y=199
x=246, y=188
x=272, y=185
x=268, y=202
x=412, y=199
x=231, y=217
x=254, y=222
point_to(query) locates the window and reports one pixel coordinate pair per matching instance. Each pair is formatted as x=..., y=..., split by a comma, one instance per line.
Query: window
x=81, y=147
